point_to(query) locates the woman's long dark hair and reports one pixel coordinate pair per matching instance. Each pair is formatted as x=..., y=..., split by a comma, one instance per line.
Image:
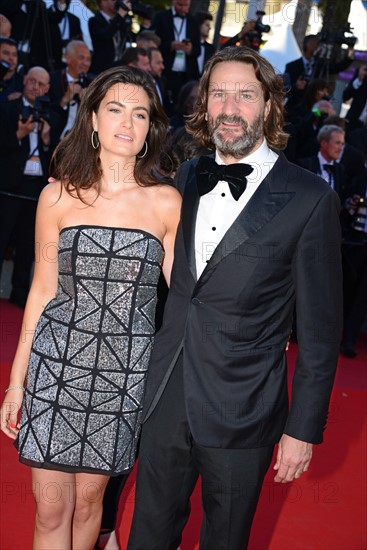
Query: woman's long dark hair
x=272, y=86
x=77, y=165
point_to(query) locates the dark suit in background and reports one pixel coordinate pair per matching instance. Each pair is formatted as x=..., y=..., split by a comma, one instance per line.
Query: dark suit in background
x=102, y=33
x=57, y=42
x=359, y=97
x=163, y=25
x=18, y=196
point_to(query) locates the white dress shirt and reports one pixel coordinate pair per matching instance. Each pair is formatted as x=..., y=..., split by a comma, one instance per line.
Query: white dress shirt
x=218, y=209
x=324, y=173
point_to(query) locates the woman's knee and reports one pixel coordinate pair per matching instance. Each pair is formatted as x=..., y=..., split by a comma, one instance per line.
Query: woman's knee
x=50, y=516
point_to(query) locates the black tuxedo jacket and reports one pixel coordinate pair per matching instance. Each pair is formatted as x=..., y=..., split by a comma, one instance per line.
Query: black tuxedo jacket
x=359, y=97
x=101, y=33
x=209, y=50
x=14, y=153
x=233, y=322
x=163, y=26
x=56, y=41
x=342, y=185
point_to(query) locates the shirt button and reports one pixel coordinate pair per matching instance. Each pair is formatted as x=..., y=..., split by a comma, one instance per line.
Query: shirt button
x=214, y=228
x=223, y=194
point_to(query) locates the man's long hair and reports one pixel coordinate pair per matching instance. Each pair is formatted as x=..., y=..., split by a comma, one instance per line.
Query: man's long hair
x=272, y=86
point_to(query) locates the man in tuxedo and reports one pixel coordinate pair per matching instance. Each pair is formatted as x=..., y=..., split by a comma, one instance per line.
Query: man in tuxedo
x=67, y=85
x=64, y=27
x=180, y=46
x=331, y=140
x=357, y=91
x=25, y=152
x=108, y=31
x=206, y=49
x=257, y=236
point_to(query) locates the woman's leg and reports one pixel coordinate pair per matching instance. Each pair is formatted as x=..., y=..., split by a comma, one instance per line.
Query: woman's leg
x=90, y=489
x=54, y=493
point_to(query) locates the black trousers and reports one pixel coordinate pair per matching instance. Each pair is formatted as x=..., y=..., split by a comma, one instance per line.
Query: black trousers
x=170, y=462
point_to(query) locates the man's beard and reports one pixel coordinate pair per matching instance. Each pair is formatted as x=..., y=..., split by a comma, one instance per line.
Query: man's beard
x=228, y=142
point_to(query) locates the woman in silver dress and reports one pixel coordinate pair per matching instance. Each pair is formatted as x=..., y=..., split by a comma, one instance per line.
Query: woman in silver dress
x=104, y=230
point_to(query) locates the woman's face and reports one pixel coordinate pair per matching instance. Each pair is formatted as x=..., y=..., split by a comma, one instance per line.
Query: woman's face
x=323, y=92
x=123, y=120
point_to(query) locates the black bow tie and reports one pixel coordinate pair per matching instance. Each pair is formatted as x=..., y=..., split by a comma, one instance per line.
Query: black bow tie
x=179, y=16
x=208, y=174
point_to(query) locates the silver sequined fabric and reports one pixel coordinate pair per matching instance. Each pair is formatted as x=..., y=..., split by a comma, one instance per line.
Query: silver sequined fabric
x=90, y=353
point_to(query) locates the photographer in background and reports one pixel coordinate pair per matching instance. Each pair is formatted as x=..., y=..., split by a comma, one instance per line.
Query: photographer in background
x=357, y=91
x=25, y=151
x=64, y=27
x=251, y=33
x=67, y=85
x=180, y=45
x=11, y=81
x=108, y=30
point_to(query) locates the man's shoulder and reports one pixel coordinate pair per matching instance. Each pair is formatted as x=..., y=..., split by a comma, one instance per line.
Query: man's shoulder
x=294, y=63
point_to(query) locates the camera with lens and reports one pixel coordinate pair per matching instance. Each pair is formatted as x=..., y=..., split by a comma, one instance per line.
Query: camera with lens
x=360, y=218
x=339, y=37
x=84, y=80
x=254, y=37
x=39, y=111
x=144, y=11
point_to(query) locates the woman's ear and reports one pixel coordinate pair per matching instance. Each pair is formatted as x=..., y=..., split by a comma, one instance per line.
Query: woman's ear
x=94, y=122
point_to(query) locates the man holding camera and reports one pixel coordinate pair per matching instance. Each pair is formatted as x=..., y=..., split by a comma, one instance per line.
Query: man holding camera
x=11, y=84
x=67, y=85
x=25, y=149
x=108, y=30
x=180, y=45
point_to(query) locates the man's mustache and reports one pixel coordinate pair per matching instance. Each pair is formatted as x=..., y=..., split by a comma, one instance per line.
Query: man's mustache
x=230, y=119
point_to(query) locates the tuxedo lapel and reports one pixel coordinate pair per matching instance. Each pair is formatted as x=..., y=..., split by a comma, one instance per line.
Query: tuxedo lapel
x=261, y=208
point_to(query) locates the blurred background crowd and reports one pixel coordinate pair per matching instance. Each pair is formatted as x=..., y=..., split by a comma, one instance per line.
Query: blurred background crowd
x=49, y=55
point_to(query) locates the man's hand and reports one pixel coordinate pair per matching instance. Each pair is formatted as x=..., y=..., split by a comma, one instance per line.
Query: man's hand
x=74, y=88
x=25, y=128
x=293, y=458
x=301, y=83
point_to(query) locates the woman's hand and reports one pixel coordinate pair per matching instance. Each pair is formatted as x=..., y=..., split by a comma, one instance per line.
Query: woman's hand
x=9, y=412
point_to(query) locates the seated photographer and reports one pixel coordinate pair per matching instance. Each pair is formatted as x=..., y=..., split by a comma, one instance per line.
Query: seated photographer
x=11, y=82
x=108, y=30
x=67, y=85
x=25, y=150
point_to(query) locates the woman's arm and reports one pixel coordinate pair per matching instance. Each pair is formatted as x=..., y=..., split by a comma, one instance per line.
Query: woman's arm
x=170, y=210
x=43, y=289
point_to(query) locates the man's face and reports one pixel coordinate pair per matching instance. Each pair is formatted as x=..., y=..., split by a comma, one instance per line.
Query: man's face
x=108, y=6
x=236, y=109
x=156, y=63
x=331, y=150
x=205, y=29
x=36, y=83
x=181, y=6
x=143, y=63
x=78, y=62
x=9, y=54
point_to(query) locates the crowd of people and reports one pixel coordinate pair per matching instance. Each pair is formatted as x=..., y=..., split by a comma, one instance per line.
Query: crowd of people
x=110, y=129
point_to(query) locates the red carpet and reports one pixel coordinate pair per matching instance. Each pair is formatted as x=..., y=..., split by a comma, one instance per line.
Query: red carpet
x=324, y=510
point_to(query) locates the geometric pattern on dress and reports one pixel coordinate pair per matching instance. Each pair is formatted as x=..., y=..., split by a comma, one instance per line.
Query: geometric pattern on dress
x=90, y=353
